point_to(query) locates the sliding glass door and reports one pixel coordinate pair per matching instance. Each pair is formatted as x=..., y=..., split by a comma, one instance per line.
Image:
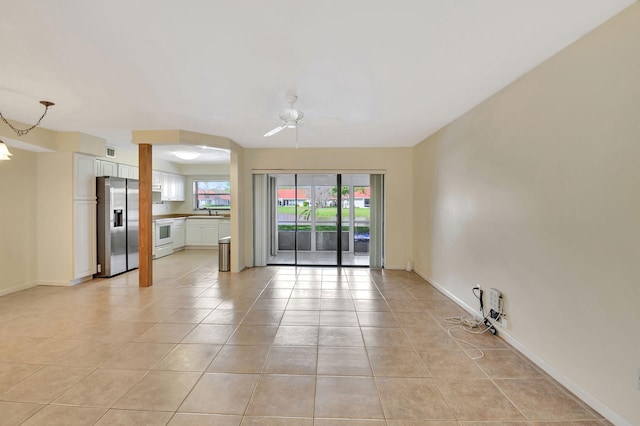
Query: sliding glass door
x=315, y=219
x=356, y=226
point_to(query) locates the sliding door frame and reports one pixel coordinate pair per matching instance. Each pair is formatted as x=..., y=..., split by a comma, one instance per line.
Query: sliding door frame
x=376, y=251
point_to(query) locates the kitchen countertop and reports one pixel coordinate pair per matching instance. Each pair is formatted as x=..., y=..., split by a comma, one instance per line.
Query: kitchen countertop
x=179, y=215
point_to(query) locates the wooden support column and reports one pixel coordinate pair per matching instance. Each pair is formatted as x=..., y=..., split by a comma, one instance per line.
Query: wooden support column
x=145, y=236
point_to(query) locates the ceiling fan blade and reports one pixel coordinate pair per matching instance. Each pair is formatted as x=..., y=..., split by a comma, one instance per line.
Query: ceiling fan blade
x=274, y=131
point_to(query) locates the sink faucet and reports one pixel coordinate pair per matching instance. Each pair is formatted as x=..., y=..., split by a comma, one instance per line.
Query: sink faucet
x=209, y=210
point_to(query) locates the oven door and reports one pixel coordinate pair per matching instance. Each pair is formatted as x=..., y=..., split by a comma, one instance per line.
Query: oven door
x=163, y=233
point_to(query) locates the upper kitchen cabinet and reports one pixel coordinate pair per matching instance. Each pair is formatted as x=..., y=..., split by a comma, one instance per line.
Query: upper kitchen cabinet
x=106, y=168
x=172, y=187
x=84, y=177
x=172, y=184
x=156, y=178
x=109, y=168
x=179, y=183
x=167, y=187
x=126, y=171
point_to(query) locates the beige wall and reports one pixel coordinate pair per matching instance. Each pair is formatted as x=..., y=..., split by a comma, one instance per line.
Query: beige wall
x=536, y=192
x=18, y=236
x=238, y=230
x=36, y=235
x=54, y=218
x=398, y=188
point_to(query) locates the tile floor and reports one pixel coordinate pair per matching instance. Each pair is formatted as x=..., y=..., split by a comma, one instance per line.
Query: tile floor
x=268, y=346
x=314, y=258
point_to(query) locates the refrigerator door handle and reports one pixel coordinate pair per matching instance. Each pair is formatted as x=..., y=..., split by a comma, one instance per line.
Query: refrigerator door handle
x=117, y=218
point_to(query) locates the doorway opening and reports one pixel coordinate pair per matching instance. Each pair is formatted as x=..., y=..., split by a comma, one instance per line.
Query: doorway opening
x=319, y=219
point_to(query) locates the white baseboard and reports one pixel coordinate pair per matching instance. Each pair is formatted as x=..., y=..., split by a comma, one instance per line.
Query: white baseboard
x=16, y=288
x=55, y=283
x=395, y=267
x=585, y=396
x=81, y=280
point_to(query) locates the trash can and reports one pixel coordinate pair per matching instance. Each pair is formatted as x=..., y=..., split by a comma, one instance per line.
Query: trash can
x=224, y=254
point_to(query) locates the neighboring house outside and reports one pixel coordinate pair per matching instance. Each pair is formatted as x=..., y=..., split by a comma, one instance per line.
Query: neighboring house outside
x=361, y=197
x=218, y=200
x=287, y=197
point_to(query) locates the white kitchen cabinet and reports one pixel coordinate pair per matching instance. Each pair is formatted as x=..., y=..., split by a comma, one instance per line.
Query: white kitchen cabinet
x=126, y=171
x=84, y=238
x=84, y=216
x=179, y=233
x=210, y=235
x=172, y=186
x=167, y=187
x=84, y=177
x=224, y=229
x=107, y=168
x=179, y=182
x=202, y=232
x=156, y=178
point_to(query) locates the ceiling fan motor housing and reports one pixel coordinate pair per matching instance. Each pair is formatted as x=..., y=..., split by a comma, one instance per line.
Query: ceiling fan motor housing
x=290, y=114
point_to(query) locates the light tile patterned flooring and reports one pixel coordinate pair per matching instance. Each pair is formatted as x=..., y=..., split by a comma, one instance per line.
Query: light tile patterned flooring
x=268, y=346
x=307, y=258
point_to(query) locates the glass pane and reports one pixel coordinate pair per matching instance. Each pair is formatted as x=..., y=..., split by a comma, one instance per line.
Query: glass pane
x=304, y=218
x=318, y=215
x=356, y=220
x=305, y=221
x=283, y=233
x=212, y=194
x=326, y=218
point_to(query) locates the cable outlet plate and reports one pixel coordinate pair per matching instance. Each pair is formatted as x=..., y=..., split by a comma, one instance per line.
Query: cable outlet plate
x=494, y=301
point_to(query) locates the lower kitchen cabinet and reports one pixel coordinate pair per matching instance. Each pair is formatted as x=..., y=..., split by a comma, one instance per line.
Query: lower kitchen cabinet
x=202, y=232
x=179, y=233
x=224, y=229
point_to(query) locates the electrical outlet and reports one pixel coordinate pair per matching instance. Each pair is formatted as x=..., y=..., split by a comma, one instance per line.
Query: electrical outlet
x=494, y=302
x=504, y=322
x=638, y=378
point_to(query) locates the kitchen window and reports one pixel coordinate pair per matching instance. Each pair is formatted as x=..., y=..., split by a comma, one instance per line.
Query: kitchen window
x=212, y=194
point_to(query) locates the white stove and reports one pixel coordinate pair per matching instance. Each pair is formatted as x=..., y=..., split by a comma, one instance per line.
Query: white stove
x=163, y=238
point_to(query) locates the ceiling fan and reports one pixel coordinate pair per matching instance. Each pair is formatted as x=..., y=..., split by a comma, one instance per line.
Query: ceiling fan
x=290, y=117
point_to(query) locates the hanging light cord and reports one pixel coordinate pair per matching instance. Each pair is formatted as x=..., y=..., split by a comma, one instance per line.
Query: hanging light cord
x=22, y=132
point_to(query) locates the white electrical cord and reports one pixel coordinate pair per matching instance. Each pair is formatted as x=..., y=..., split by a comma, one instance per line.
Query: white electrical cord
x=467, y=324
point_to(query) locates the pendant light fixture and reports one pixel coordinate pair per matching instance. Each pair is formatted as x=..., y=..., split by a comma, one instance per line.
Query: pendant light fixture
x=4, y=152
x=22, y=132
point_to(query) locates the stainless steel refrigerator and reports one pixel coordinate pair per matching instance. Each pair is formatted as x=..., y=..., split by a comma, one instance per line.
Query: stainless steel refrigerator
x=118, y=222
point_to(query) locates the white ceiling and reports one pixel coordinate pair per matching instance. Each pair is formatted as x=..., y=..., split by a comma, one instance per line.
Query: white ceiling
x=368, y=74
x=206, y=154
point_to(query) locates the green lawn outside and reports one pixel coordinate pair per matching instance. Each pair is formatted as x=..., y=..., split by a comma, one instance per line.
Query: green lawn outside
x=324, y=212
